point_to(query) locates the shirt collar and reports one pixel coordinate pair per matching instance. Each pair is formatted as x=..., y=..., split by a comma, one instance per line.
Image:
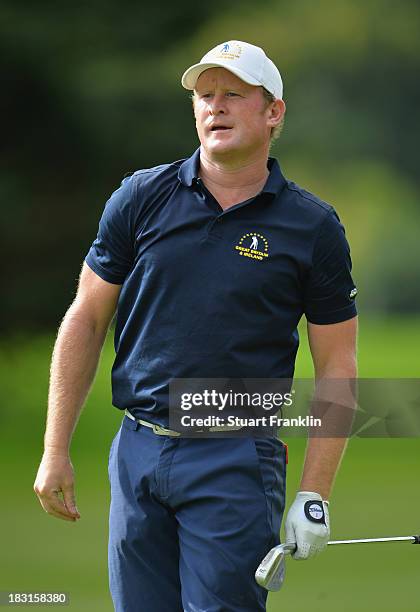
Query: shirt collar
x=188, y=170
x=188, y=174
x=275, y=181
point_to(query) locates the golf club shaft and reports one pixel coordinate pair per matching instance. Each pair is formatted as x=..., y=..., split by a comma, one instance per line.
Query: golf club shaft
x=415, y=539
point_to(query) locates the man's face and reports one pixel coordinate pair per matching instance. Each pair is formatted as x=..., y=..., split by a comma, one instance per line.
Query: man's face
x=232, y=117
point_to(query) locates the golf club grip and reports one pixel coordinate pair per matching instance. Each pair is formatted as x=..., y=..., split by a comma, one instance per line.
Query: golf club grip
x=289, y=549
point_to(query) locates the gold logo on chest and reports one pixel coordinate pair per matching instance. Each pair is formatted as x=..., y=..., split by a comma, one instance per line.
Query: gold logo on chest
x=253, y=245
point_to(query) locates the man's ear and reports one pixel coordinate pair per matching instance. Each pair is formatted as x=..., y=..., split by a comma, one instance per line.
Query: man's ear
x=277, y=112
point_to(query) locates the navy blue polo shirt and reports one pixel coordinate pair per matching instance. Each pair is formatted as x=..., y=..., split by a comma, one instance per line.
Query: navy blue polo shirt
x=210, y=293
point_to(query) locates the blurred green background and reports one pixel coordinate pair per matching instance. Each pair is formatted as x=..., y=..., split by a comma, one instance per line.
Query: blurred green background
x=376, y=493
x=91, y=91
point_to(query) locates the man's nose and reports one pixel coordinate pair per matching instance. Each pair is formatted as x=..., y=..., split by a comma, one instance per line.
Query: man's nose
x=217, y=106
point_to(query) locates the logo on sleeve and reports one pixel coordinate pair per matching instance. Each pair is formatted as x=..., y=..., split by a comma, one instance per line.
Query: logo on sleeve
x=253, y=245
x=353, y=293
x=314, y=512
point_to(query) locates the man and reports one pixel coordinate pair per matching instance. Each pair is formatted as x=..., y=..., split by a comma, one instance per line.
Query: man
x=211, y=261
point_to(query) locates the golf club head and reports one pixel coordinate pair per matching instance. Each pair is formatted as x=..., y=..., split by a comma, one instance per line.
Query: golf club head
x=271, y=571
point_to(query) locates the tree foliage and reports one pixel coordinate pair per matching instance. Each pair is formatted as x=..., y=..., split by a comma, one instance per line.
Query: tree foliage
x=92, y=90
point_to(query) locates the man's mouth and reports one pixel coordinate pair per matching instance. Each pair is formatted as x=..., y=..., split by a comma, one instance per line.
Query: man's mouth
x=219, y=128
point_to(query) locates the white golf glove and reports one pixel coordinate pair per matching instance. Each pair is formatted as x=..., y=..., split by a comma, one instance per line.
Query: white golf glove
x=308, y=524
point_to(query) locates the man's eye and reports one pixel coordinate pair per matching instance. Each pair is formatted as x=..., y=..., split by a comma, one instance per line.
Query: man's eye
x=232, y=94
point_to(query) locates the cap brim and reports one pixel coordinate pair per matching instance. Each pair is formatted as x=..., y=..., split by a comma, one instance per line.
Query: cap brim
x=190, y=76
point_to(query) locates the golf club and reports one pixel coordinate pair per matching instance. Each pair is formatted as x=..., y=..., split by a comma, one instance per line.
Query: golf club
x=271, y=571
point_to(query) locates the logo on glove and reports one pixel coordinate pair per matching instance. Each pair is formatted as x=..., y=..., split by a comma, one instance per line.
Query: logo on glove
x=314, y=512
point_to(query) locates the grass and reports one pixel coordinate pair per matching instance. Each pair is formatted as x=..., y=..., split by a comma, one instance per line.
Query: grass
x=375, y=495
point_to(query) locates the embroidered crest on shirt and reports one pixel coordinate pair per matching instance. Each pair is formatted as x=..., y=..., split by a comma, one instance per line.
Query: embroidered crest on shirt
x=253, y=245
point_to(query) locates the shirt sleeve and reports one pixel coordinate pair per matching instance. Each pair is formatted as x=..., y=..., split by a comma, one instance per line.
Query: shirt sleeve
x=111, y=255
x=330, y=290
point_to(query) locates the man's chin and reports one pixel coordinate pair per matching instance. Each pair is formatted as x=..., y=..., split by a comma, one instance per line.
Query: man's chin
x=221, y=148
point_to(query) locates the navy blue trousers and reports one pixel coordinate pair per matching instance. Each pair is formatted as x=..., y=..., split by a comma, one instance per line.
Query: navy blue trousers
x=191, y=519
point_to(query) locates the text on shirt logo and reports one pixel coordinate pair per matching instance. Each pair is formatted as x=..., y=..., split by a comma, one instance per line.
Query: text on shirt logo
x=253, y=245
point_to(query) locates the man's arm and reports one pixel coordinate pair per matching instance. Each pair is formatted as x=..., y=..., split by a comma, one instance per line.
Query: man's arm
x=74, y=362
x=333, y=349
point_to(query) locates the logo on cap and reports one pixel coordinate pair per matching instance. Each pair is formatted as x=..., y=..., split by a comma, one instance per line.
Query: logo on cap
x=230, y=51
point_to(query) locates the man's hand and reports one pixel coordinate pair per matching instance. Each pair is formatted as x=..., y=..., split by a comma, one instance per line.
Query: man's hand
x=74, y=362
x=55, y=476
x=308, y=524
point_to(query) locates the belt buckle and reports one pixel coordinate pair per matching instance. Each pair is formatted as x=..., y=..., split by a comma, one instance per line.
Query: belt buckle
x=162, y=431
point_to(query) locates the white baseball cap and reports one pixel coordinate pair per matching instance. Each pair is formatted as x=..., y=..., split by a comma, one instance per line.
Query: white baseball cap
x=246, y=61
